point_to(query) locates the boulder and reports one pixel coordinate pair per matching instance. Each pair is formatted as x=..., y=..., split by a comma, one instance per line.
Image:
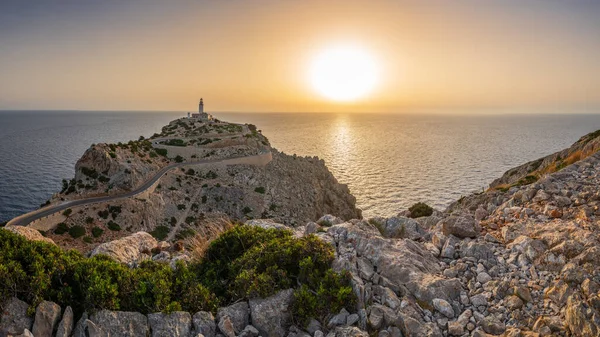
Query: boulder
x=492, y=326
x=47, y=316
x=272, y=316
x=401, y=227
x=204, y=323
x=130, y=249
x=29, y=233
x=65, y=327
x=120, y=323
x=14, y=316
x=238, y=315
x=176, y=324
x=463, y=226
x=449, y=247
x=443, y=307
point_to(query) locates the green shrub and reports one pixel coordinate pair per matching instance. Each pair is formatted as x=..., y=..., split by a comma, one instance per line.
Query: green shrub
x=246, y=210
x=246, y=262
x=162, y=152
x=420, y=209
x=67, y=212
x=160, y=232
x=89, y=220
x=77, y=231
x=97, y=232
x=260, y=190
x=61, y=228
x=178, y=159
x=103, y=214
x=241, y=263
x=87, y=239
x=113, y=226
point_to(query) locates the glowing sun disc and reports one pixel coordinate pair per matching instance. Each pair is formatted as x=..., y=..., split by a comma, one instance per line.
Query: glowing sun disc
x=343, y=73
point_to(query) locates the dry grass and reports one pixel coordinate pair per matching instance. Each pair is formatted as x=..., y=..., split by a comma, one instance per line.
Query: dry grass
x=198, y=244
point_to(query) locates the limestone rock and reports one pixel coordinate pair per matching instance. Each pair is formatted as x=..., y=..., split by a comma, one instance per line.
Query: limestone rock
x=14, y=316
x=119, y=323
x=129, y=250
x=401, y=227
x=461, y=226
x=204, y=323
x=65, y=327
x=29, y=233
x=443, y=307
x=176, y=324
x=492, y=326
x=47, y=315
x=238, y=316
x=272, y=316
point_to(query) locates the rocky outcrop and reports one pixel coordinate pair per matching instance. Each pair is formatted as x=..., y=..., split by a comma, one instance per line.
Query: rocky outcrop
x=129, y=250
x=528, y=172
x=176, y=324
x=29, y=233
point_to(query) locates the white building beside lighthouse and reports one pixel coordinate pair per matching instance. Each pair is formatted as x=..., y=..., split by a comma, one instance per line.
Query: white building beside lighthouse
x=201, y=115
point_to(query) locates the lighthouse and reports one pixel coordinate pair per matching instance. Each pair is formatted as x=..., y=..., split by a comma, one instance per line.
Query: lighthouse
x=201, y=115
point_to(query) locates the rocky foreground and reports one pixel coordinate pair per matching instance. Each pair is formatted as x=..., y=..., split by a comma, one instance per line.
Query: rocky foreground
x=519, y=260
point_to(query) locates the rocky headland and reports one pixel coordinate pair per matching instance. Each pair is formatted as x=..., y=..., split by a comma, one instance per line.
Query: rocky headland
x=520, y=259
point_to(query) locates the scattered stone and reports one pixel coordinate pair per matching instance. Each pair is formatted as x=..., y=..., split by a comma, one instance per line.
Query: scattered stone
x=47, y=316
x=443, y=307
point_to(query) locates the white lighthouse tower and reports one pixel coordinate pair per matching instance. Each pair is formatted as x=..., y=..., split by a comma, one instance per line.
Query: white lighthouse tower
x=201, y=115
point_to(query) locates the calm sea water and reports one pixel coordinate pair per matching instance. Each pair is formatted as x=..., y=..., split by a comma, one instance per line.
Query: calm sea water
x=389, y=161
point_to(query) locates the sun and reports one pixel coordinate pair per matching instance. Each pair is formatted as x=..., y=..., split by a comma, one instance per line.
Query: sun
x=343, y=73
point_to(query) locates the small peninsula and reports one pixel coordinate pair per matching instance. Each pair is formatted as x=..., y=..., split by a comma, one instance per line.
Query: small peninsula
x=206, y=230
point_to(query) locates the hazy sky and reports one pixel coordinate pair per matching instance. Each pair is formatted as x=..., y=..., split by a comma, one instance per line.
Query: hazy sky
x=254, y=55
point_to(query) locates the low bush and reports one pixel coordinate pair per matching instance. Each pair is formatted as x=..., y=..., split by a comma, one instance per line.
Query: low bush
x=67, y=212
x=178, y=159
x=61, y=228
x=113, y=226
x=420, y=209
x=97, y=232
x=77, y=231
x=162, y=152
x=160, y=232
x=260, y=190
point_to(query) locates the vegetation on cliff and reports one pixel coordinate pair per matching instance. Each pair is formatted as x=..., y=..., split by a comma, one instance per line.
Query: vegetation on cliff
x=244, y=262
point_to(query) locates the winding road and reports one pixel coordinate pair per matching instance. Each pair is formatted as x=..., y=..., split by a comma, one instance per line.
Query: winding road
x=25, y=219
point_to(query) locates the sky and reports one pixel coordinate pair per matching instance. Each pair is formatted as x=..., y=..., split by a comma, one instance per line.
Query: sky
x=247, y=55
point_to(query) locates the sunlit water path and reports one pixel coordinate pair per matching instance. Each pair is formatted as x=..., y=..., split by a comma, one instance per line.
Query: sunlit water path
x=389, y=161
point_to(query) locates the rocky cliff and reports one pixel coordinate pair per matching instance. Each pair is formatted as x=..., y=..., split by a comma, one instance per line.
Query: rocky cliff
x=289, y=189
x=520, y=260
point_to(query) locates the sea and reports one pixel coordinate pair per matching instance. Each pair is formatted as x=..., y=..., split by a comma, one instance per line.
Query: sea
x=389, y=161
